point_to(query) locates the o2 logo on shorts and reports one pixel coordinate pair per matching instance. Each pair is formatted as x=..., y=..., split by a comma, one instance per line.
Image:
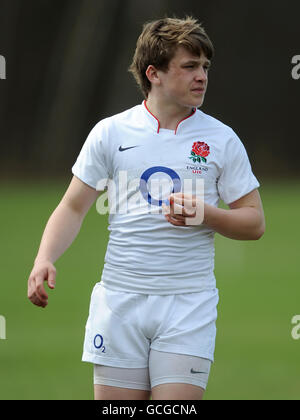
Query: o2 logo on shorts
x=98, y=342
x=144, y=184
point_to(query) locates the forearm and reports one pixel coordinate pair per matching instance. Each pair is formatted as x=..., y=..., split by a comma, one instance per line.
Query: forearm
x=246, y=223
x=61, y=230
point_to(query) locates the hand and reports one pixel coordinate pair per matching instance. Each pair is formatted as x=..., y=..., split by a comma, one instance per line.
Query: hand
x=41, y=272
x=184, y=210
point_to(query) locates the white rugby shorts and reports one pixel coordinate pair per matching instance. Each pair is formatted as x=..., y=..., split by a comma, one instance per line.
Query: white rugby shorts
x=123, y=327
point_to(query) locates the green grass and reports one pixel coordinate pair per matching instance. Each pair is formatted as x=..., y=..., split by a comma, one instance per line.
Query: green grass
x=256, y=357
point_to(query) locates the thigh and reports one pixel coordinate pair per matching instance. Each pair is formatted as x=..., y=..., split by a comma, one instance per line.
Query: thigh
x=103, y=392
x=177, y=392
x=114, y=383
x=178, y=376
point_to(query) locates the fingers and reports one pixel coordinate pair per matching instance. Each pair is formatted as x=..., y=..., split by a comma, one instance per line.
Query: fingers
x=172, y=215
x=174, y=221
x=36, y=289
x=184, y=210
x=51, y=278
x=40, y=289
x=183, y=204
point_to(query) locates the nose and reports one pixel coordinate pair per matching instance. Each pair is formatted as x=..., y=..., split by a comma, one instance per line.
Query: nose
x=201, y=75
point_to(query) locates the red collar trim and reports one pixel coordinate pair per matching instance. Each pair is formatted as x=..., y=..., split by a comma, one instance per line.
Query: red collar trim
x=194, y=110
x=158, y=127
x=158, y=123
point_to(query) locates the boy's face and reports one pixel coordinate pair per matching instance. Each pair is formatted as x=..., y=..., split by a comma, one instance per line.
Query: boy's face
x=185, y=82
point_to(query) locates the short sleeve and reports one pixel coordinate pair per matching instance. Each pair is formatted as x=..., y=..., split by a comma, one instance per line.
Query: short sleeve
x=237, y=178
x=91, y=164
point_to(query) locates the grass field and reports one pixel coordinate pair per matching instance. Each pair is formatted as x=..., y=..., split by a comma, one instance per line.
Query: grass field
x=256, y=357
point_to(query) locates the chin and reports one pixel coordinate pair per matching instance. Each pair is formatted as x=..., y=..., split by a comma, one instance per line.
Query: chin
x=199, y=104
x=196, y=102
x=191, y=104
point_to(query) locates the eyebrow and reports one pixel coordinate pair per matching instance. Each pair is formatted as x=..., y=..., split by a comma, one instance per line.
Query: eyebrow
x=206, y=62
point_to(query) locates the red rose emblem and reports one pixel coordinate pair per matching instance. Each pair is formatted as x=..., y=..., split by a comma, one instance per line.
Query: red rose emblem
x=201, y=149
x=200, y=152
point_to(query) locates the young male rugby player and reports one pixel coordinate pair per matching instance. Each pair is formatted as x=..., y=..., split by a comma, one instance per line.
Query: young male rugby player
x=151, y=327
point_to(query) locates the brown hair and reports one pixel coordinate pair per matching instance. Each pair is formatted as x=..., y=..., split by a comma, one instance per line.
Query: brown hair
x=159, y=41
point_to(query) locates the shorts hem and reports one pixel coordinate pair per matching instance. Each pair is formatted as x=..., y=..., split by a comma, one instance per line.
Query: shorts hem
x=179, y=380
x=113, y=362
x=168, y=348
x=120, y=384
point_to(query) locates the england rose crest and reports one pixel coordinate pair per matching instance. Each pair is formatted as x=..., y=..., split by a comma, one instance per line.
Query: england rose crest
x=199, y=152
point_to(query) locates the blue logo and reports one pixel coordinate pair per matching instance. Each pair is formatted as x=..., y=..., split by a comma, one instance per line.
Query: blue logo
x=98, y=342
x=144, y=184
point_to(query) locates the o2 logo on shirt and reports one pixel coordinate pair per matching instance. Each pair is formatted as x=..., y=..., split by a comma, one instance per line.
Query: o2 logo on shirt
x=98, y=342
x=156, y=184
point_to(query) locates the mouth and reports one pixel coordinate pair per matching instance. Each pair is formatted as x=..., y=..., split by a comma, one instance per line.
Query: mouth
x=199, y=90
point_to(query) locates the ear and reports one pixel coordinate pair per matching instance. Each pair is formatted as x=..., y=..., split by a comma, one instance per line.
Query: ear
x=153, y=76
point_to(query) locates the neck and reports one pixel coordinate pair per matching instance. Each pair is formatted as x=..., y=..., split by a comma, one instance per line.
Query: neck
x=168, y=114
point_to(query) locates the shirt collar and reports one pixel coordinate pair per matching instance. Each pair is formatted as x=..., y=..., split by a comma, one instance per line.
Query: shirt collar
x=155, y=124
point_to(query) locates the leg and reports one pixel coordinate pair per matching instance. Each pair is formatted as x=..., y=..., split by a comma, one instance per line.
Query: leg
x=113, y=383
x=103, y=392
x=178, y=376
x=177, y=392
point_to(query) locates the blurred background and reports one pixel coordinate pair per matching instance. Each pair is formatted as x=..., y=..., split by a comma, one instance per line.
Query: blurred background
x=66, y=68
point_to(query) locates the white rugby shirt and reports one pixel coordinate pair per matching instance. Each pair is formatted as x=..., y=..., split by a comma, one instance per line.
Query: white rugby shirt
x=142, y=164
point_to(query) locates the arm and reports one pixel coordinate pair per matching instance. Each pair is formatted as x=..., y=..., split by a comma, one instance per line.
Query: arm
x=244, y=220
x=61, y=230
